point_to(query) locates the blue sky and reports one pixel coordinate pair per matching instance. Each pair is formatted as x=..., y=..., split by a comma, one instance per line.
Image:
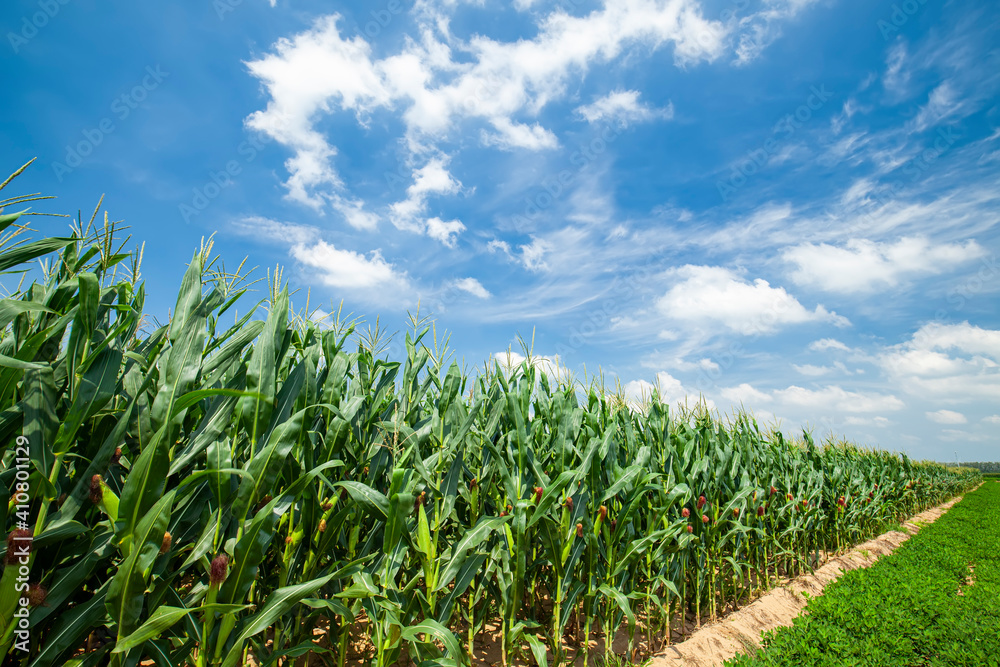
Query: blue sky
x=789, y=204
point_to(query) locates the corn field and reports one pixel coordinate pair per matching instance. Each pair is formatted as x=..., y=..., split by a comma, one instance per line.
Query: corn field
x=201, y=493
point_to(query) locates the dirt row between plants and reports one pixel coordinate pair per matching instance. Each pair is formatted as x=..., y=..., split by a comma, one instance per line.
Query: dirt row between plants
x=741, y=631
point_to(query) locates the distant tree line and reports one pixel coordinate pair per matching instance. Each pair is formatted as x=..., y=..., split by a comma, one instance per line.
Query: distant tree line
x=983, y=466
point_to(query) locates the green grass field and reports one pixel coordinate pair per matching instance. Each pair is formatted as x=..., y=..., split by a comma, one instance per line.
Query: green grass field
x=935, y=601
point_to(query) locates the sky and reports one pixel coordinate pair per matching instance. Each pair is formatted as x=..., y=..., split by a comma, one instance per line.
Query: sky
x=786, y=205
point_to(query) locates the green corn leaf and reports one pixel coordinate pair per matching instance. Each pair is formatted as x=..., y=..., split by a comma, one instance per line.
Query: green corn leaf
x=250, y=551
x=10, y=362
x=276, y=605
x=432, y=629
x=165, y=618
x=144, y=485
x=29, y=251
x=70, y=630
x=264, y=466
x=128, y=586
x=368, y=498
x=261, y=371
x=472, y=539
x=538, y=649
x=41, y=423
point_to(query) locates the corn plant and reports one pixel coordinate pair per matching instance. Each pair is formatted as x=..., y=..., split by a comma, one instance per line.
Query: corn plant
x=197, y=493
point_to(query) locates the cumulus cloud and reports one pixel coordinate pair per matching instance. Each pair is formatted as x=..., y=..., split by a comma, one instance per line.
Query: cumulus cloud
x=437, y=82
x=714, y=295
x=880, y=422
x=530, y=255
x=431, y=179
x=622, y=106
x=947, y=363
x=510, y=360
x=306, y=76
x=346, y=269
x=824, y=344
x=471, y=286
x=336, y=267
x=865, y=266
x=947, y=417
x=835, y=398
x=671, y=391
x=445, y=232
x=745, y=394
x=809, y=370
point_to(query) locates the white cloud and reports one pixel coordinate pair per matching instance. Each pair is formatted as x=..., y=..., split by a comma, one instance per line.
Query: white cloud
x=896, y=76
x=757, y=31
x=471, y=286
x=354, y=213
x=431, y=179
x=445, y=232
x=345, y=269
x=954, y=363
x=957, y=435
x=864, y=266
x=510, y=360
x=496, y=245
x=338, y=268
x=824, y=344
x=947, y=417
x=622, y=105
x=715, y=295
x=880, y=422
x=511, y=135
x=745, y=394
x=834, y=398
x=669, y=388
x=305, y=76
x=943, y=102
x=992, y=419
x=531, y=255
x=811, y=371
x=500, y=84
x=963, y=337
